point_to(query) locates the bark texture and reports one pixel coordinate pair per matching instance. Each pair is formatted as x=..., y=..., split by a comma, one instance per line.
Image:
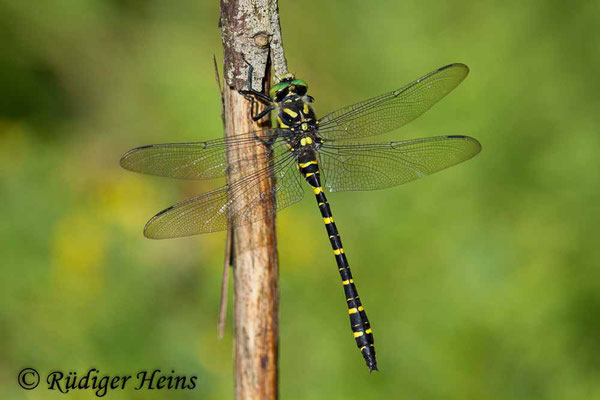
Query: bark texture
x=255, y=278
x=250, y=32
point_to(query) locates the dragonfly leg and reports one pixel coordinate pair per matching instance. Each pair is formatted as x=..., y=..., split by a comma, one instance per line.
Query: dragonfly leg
x=254, y=95
x=260, y=115
x=268, y=142
x=250, y=91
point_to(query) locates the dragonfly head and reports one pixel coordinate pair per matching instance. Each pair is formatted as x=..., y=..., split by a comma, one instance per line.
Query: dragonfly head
x=287, y=86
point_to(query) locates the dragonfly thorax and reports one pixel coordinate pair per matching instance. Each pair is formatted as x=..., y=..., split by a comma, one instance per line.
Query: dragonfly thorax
x=295, y=113
x=297, y=119
x=303, y=142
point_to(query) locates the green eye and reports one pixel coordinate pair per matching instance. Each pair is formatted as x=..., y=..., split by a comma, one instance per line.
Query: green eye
x=278, y=88
x=299, y=82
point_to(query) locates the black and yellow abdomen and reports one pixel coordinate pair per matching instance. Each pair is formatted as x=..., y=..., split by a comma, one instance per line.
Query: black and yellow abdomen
x=299, y=126
x=361, y=328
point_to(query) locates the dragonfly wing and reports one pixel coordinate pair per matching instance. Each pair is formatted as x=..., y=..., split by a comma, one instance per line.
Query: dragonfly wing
x=199, y=160
x=394, y=109
x=365, y=166
x=213, y=211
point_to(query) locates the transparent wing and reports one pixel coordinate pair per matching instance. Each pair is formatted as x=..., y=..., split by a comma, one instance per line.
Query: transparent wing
x=380, y=165
x=211, y=211
x=394, y=109
x=200, y=160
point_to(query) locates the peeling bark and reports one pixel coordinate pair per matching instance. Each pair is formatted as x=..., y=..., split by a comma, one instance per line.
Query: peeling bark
x=250, y=28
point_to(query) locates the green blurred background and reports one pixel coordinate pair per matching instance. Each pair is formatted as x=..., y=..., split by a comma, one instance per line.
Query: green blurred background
x=481, y=282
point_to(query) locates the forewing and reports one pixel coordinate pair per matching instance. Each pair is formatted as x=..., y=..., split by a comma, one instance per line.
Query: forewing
x=238, y=203
x=199, y=160
x=381, y=165
x=394, y=109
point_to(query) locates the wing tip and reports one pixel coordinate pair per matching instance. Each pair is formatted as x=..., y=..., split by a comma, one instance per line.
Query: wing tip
x=149, y=236
x=462, y=69
x=123, y=162
x=148, y=231
x=457, y=65
x=477, y=145
x=151, y=233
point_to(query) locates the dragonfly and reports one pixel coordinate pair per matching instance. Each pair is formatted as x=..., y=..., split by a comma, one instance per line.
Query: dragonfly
x=322, y=152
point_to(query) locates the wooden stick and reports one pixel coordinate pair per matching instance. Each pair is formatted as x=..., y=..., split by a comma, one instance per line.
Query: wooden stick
x=227, y=263
x=248, y=29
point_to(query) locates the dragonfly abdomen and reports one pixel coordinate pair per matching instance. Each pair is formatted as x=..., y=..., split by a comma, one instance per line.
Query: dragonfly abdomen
x=361, y=328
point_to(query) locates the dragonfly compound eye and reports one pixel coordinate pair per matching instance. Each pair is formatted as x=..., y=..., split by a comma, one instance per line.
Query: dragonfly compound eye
x=279, y=90
x=299, y=87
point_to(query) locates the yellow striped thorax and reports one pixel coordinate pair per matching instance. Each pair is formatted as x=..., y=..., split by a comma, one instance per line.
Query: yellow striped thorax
x=295, y=114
